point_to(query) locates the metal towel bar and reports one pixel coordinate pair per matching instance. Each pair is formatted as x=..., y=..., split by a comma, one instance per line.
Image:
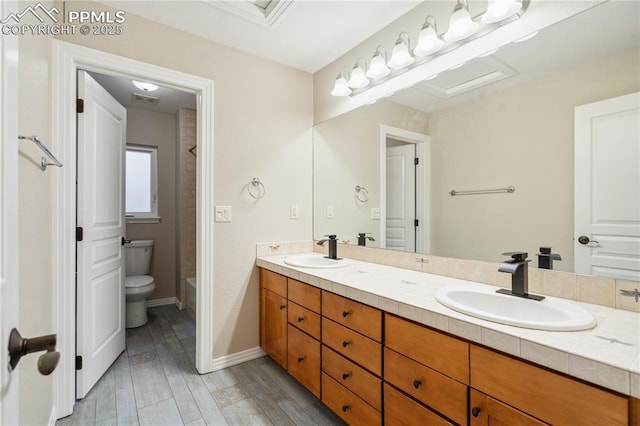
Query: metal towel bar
x=508, y=189
x=44, y=162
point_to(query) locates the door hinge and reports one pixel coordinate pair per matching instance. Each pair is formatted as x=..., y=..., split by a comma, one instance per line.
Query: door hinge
x=79, y=233
x=416, y=161
x=415, y=222
x=79, y=106
x=78, y=362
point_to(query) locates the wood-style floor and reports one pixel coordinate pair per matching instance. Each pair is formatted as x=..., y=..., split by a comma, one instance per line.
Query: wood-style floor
x=154, y=382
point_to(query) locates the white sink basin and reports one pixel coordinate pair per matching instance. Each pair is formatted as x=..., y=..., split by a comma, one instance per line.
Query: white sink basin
x=315, y=262
x=547, y=314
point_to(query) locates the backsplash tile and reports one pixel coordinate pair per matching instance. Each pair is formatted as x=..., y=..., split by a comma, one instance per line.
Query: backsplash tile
x=589, y=289
x=628, y=303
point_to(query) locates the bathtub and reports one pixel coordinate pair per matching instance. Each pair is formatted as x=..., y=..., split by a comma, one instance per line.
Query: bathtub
x=191, y=296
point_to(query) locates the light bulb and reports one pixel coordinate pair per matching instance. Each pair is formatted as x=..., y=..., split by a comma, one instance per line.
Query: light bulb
x=378, y=66
x=400, y=55
x=340, y=87
x=358, y=79
x=500, y=9
x=428, y=40
x=460, y=26
x=147, y=87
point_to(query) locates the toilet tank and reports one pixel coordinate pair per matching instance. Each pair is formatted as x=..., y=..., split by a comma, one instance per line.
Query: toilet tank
x=138, y=257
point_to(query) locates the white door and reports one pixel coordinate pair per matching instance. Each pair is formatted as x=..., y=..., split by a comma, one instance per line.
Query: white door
x=100, y=255
x=607, y=188
x=401, y=197
x=8, y=218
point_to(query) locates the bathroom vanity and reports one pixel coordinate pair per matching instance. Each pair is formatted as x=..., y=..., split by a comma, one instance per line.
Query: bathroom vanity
x=374, y=358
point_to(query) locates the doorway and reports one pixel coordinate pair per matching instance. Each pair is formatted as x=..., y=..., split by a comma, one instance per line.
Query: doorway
x=404, y=190
x=67, y=60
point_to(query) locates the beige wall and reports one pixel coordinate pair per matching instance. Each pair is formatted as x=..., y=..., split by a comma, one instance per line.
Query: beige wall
x=262, y=128
x=523, y=137
x=34, y=231
x=346, y=152
x=151, y=128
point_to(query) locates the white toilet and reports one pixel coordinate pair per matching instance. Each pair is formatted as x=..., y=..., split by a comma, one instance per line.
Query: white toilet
x=138, y=285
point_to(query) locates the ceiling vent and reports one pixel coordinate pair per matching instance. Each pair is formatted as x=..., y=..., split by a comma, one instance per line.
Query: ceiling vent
x=138, y=97
x=263, y=12
x=472, y=75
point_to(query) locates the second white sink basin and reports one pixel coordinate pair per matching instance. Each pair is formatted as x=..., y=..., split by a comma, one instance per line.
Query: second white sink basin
x=315, y=262
x=547, y=314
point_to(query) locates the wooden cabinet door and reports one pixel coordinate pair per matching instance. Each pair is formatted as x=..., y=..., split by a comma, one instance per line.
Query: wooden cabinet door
x=486, y=411
x=303, y=354
x=273, y=326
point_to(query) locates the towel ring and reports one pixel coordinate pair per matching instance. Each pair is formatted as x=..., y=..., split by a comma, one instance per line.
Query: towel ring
x=256, y=189
x=362, y=194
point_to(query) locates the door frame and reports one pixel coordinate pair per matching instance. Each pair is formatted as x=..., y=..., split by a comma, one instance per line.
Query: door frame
x=423, y=183
x=67, y=59
x=9, y=268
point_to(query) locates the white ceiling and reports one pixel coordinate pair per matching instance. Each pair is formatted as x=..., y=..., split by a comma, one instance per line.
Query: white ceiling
x=303, y=34
x=298, y=37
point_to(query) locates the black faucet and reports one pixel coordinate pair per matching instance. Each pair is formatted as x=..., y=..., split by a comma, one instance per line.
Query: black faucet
x=518, y=268
x=333, y=246
x=546, y=258
x=363, y=237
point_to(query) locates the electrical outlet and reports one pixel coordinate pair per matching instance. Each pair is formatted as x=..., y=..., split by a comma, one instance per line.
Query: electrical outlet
x=375, y=213
x=294, y=211
x=223, y=214
x=329, y=211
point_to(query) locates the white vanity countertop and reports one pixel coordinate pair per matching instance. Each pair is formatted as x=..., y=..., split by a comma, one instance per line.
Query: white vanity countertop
x=607, y=355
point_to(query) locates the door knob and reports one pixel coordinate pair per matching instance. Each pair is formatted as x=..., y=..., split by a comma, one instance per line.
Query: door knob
x=19, y=346
x=584, y=240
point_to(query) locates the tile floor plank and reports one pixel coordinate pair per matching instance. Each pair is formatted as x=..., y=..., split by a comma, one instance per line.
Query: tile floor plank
x=154, y=381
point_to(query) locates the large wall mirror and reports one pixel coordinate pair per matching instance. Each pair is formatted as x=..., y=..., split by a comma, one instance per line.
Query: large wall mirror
x=503, y=120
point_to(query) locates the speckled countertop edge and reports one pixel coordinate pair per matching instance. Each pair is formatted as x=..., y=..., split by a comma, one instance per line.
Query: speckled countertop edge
x=607, y=355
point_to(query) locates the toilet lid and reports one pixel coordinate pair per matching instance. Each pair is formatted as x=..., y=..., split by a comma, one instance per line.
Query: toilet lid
x=138, y=281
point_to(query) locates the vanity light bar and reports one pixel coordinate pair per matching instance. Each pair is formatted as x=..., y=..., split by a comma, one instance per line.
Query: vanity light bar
x=462, y=29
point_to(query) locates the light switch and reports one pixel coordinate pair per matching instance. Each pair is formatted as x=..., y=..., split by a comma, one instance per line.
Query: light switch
x=329, y=211
x=223, y=213
x=294, y=211
x=375, y=213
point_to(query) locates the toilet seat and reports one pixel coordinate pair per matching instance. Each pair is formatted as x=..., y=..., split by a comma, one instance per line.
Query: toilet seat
x=138, y=281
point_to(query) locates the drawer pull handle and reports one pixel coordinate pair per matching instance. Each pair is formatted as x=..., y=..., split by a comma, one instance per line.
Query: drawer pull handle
x=417, y=383
x=282, y=307
x=300, y=319
x=345, y=408
x=345, y=343
x=345, y=376
x=475, y=411
x=300, y=358
x=345, y=314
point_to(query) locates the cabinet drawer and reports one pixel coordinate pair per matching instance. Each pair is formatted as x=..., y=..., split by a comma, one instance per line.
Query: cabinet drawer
x=304, y=319
x=438, y=351
x=443, y=394
x=549, y=396
x=402, y=410
x=355, y=346
x=304, y=359
x=347, y=405
x=486, y=411
x=361, y=318
x=275, y=282
x=356, y=379
x=304, y=295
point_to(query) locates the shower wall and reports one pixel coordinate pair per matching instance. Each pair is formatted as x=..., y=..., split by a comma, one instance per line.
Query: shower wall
x=186, y=197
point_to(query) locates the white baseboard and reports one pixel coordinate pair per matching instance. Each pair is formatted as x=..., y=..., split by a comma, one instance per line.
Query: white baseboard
x=237, y=358
x=52, y=416
x=164, y=302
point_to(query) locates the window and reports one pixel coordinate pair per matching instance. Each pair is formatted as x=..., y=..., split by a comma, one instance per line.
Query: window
x=142, y=184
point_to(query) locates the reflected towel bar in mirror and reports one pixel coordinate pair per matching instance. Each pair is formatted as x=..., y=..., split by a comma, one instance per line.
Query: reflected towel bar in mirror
x=508, y=190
